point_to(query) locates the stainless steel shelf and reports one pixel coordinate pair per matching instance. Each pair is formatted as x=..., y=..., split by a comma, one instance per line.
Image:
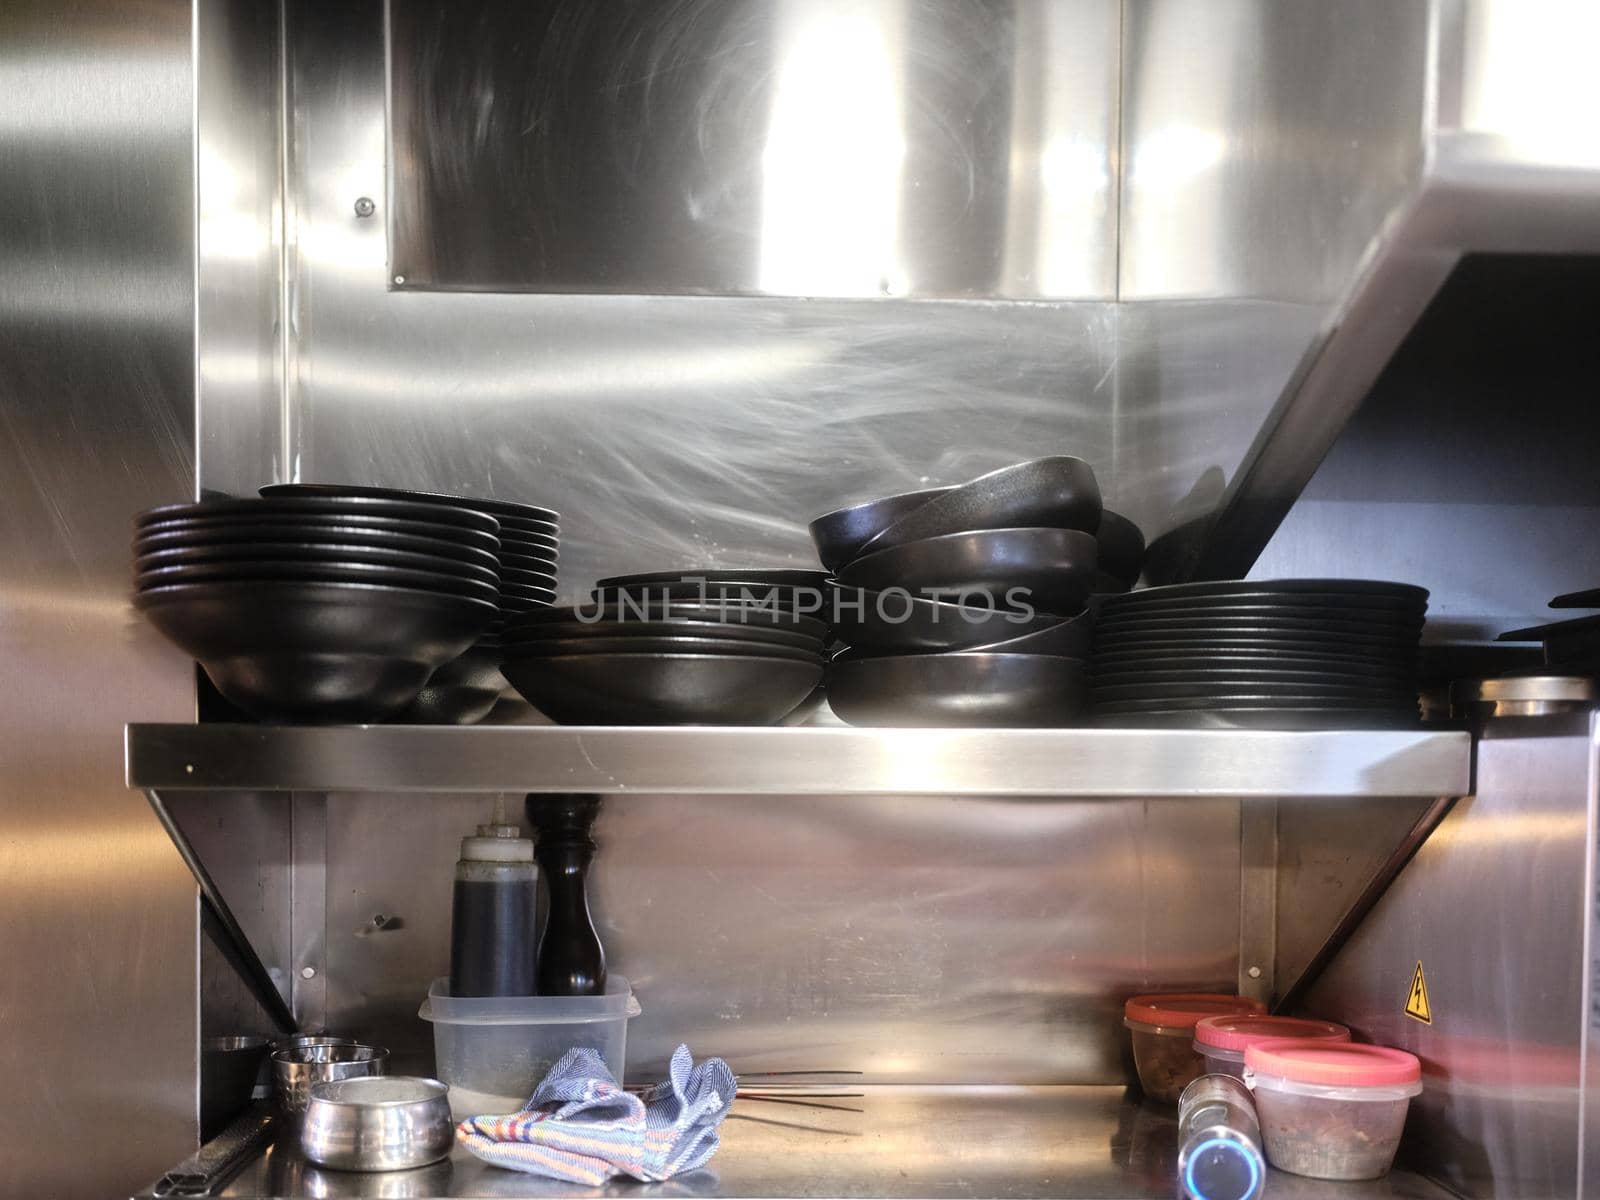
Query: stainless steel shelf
x=701, y=761
x=927, y=1142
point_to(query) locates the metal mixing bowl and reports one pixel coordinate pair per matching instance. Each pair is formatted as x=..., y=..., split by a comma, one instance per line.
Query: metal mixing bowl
x=296, y=1070
x=383, y=1123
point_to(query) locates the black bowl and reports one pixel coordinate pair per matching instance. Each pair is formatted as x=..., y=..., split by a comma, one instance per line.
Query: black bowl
x=545, y=563
x=524, y=633
x=663, y=689
x=1121, y=545
x=295, y=507
x=898, y=622
x=496, y=508
x=245, y=553
x=961, y=689
x=1050, y=569
x=518, y=596
x=462, y=692
x=603, y=644
x=317, y=572
x=839, y=535
x=1071, y=638
x=330, y=652
x=415, y=537
x=534, y=579
x=532, y=531
x=1289, y=718
x=752, y=577
x=1057, y=492
x=638, y=610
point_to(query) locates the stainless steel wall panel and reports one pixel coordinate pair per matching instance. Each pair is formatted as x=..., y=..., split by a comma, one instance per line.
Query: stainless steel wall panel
x=915, y=938
x=1495, y=907
x=789, y=147
x=98, y=918
x=1265, y=143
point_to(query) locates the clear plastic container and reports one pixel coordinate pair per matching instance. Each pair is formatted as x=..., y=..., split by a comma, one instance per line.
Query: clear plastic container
x=494, y=1050
x=1222, y=1041
x=1331, y=1110
x=1163, y=1037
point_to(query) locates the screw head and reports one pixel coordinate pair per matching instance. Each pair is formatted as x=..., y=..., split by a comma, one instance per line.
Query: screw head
x=365, y=207
x=308, y=972
x=1254, y=972
x=399, y=279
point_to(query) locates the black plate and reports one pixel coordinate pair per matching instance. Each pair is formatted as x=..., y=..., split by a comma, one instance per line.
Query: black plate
x=316, y=651
x=1540, y=633
x=898, y=622
x=419, y=537
x=528, y=633
x=1121, y=548
x=752, y=577
x=512, y=593
x=1262, y=718
x=1057, y=492
x=1588, y=598
x=533, y=579
x=1255, y=699
x=316, y=572
x=539, y=545
x=535, y=529
x=1285, y=587
x=294, y=507
x=250, y=552
x=958, y=690
x=496, y=508
x=1332, y=677
x=664, y=689
x=1051, y=569
x=743, y=647
x=630, y=613
x=1386, y=650
x=547, y=562
x=1069, y=639
x=1223, y=692
x=1330, y=619
x=1357, y=607
x=1269, y=654
x=839, y=535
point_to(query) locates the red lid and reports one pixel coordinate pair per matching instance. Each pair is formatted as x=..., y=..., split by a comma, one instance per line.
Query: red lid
x=1337, y=1064
x=1183, y=1009
x=1246, y=1029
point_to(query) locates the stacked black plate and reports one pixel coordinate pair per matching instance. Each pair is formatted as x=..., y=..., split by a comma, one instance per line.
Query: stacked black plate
x=961, y=605
x=1272, y=654
x=530, y=541
x=1571, y=646
x=637, y=661
x=318, y=608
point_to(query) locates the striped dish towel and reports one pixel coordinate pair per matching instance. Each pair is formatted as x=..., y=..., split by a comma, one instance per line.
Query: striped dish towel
x=581, y=1127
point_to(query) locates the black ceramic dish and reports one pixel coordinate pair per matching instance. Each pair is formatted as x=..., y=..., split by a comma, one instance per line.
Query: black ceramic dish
x=312, y=652
x=544, y=562
x=1121, y=545
x=296, y=507
x=897, y=622
x=1221, y=623
x=1555, y=629
x=416, y=537
x=753, y=577
x=1387, y=650
x=1262, y=718
x=1380, y=677
x=630, y=611
x=318, y=572
x=1256, y=699
x=551, y=647
x=738, y=631
x=1068, y=639
x=1207, y=655
x=1051, y=569
x=462, y=692
x=1288, y=604
x=530, y=530
x=956, y=690
x=840, y=534
x=1058, y=492
x=538, y=545
x=1282, y=587
x=534, y=579
x=1221, y=693
x=310, y=552
x=664, y=689
x=496, y=508
x=1589, y=598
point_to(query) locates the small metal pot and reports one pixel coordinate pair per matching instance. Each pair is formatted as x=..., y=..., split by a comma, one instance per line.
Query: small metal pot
x=296, y=1070
x=378, y=1124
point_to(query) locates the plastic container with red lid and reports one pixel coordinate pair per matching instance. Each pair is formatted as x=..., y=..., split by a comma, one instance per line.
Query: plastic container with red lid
x=1163, y=1036
x=1222, y=1041
x=1331, y=1110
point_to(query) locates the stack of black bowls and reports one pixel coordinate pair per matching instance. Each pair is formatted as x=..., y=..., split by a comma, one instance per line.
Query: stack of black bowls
x=318, y=608
x=1264, y=654
x=965, y=605
x=465, y=690
x=648, y=658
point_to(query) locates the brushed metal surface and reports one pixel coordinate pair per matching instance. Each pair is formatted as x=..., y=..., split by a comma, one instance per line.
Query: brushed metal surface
x=955, y=1143
x=1498, y=908
x=98, y=918
x=741, y=761
x=789, y=147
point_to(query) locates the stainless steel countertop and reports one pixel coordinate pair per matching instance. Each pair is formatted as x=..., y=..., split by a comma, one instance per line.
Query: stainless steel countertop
x=836, y=761
x=923, y=1142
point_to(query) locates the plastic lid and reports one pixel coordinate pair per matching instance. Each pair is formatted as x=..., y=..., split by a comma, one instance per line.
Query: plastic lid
x=497, y=843
x=1184, y=1009
x=1242, y=1030
x=1336, y=1064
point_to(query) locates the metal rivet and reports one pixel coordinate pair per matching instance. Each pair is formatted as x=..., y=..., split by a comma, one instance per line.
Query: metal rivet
x=308, y=972
x=1254, y=972
x=379, y=920
x=365, y=207
x=399, y=279
x=188, y=768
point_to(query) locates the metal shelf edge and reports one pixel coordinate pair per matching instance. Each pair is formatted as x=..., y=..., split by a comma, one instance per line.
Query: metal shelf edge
x=1101, y=763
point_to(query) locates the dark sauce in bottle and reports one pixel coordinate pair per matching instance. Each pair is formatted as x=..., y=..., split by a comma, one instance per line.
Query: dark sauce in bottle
x=493, y=921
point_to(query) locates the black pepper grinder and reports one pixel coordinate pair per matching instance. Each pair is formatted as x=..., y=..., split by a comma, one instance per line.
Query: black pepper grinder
x=571, y=959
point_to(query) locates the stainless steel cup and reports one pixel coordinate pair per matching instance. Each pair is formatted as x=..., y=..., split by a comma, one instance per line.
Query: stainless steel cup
x=384, y=1123
x=297, y=1069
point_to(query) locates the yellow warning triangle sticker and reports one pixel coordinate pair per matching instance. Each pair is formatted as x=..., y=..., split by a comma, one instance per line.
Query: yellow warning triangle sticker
x=1417, y=1000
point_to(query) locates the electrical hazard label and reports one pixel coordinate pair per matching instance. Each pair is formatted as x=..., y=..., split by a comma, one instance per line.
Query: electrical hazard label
x=1417, y=1000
